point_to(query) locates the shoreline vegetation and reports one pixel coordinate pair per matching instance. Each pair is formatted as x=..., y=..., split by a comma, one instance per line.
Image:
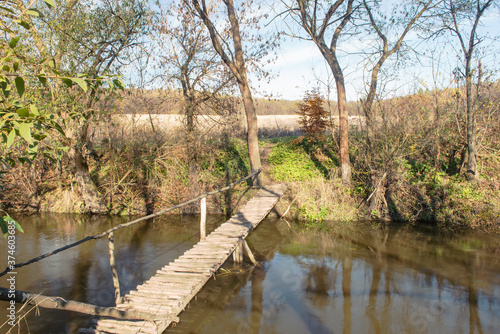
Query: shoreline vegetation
x=138, y=165
x=185, y=119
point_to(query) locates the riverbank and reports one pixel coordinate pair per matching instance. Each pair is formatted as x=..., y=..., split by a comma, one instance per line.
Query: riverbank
x=139, y=171
x=408, y=191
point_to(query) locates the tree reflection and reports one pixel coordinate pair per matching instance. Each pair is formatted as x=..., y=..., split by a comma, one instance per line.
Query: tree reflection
x=318, y=283
x=346, y=293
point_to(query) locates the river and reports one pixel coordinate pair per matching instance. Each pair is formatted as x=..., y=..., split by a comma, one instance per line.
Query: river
x=353, y=278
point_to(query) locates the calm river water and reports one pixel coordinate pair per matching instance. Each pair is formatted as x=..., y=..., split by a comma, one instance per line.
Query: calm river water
x=355, y=278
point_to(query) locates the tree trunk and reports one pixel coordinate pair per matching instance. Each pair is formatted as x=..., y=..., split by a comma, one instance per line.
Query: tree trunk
x=252, y=134
x=246, y=94
x=59, y=303
x=345, y=164
x=236, y=64
x=472, y=173
x=86, y=187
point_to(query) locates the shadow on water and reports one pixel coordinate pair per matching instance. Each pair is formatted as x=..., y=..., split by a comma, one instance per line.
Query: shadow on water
x=385, y=278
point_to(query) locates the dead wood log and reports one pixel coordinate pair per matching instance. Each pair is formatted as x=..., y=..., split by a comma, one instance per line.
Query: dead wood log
x=60, y=303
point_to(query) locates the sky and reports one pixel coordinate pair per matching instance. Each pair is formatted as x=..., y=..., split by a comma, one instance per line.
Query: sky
x=299, y=65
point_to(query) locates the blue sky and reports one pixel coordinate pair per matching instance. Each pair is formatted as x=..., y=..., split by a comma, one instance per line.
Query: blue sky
x=299, y=65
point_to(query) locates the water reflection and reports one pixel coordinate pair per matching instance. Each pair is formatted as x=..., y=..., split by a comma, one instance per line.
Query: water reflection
x=355, y=279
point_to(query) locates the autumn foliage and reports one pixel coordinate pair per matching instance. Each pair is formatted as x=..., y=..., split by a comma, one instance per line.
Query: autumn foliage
x=313, y=117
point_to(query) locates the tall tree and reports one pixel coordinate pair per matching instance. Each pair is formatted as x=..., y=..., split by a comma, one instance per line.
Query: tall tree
x=91, y=38
x=191, y=64
x=462, y=18
x=390, y=32
x=237, y=61
x=319, y=18
x=385, y=48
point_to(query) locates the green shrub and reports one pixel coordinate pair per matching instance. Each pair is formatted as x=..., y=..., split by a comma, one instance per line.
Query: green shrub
x=290, y=163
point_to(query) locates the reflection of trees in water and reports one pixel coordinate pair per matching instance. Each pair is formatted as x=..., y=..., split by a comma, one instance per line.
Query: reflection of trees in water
x=346, y=293
x=443, y=275
x=391, y=258
x=258, y=277
x=319, y=281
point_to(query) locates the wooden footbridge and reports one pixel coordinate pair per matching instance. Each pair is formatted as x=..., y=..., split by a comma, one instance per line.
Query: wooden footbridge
x=167, y=294
x=156, y=303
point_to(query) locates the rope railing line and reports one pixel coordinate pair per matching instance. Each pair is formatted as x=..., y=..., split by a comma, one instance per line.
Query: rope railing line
x=133, y=222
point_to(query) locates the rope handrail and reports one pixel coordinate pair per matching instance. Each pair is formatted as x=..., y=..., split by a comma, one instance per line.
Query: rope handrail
x=133, y=222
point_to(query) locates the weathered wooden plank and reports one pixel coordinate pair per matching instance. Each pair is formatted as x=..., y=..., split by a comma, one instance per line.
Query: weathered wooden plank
x=169, y=291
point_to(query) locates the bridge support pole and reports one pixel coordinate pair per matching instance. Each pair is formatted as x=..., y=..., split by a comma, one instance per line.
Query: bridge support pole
x=203, y=218
x=238, y=253
x=114, y=272
x=250, y=254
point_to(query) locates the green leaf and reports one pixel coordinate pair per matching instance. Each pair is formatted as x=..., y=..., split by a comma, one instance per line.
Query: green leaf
x=34, y=110
x=81, y=83
x=118, y=83
x=9, y=219
x=34, y=12
x=19, y=85
x=23, y=160
x=50, y=3
x=39, y=137
x=43, y=80
x=7, y=9
x=10, y=162
x=24, y=24
x=15, y=66
x=52, y=63
x=25, y=131
x=6, y=92
x=10, y=137
x=13, y=42
x=67, y=81
x=3, y=226
x=23, y=112
x=59, y=129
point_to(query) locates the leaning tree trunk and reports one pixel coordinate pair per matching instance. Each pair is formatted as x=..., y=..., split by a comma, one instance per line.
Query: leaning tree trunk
x=60, y=303
x=236, y=64
x=345, y=164
x=252, y=133
x=472, y=173
x=246, y=94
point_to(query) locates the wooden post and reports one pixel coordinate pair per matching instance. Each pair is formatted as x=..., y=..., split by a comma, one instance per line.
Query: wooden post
x=203, y=219
x=114, y=272
x=250, y=254
x=238, y=253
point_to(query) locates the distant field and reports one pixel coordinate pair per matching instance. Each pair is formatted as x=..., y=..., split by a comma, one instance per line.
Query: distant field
x=271, y=122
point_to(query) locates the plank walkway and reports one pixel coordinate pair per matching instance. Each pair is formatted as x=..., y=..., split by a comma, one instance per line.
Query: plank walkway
x=166, y=294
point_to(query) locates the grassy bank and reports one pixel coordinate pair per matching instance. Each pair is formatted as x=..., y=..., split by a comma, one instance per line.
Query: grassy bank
x=414, y=192
x=136, y=171
x=141, y=170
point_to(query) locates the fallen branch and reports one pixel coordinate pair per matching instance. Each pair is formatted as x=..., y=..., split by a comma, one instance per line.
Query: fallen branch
x=288, y=209
x=60, y=303
x=373, y=192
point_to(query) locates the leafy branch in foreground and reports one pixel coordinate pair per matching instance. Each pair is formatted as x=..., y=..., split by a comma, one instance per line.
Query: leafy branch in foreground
x=7, y=221
x=25, y=76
